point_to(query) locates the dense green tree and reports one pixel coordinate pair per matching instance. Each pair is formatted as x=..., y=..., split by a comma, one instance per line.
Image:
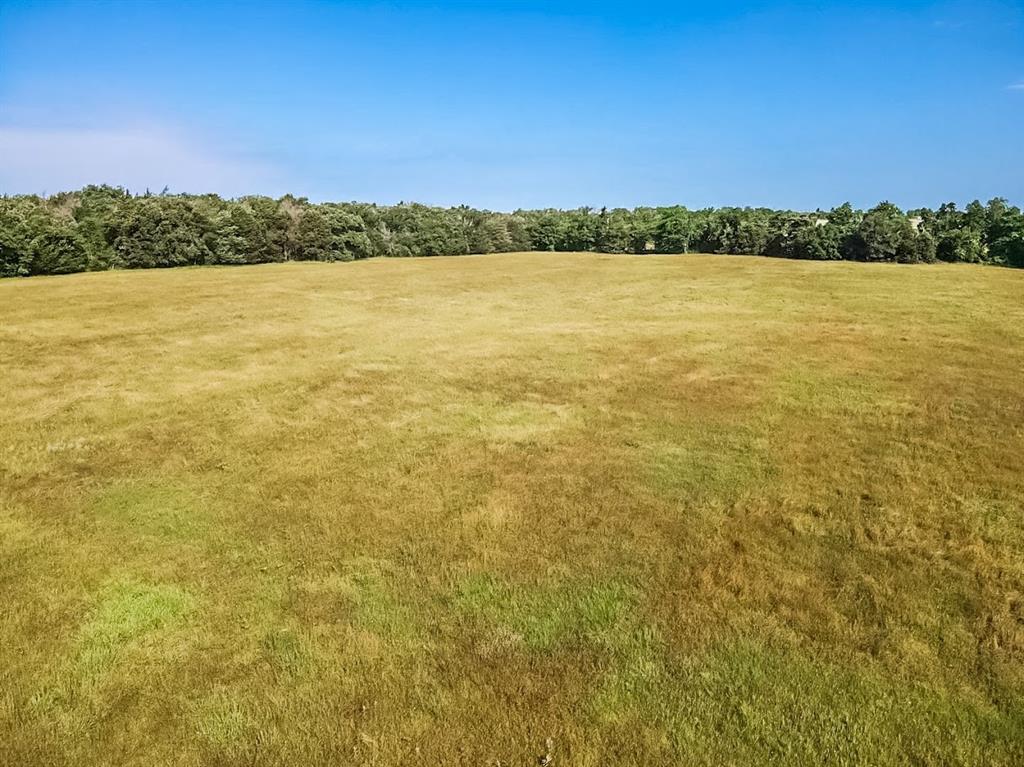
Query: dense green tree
x=240, y=237
x=102, y=227
x=270, y=234
x=956, y=238
x=918, y=247
x=643, y=230
x=1009, y=250
x=959, y=245
x=615, y=231
x=57, y=249
x=820, y=242
x=884, y=234
x=313, y=236
x=845, y=218
x=96, y=212
x=518, y=229
x=674, y=231
x=545, y=229
x=580, y=230
x=1004, y=229
x=752, y=232
x=348, y=238
x=1005, y=233
x=17, y=230
x=490, y=234
x=163, y=231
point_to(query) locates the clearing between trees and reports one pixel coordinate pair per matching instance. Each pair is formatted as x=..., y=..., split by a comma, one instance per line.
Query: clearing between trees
x=602, y=509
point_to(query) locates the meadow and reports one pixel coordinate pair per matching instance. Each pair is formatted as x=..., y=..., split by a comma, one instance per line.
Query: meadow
x=591, y=509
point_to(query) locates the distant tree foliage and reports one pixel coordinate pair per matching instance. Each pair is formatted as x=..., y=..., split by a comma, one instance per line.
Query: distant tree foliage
x=102, y=227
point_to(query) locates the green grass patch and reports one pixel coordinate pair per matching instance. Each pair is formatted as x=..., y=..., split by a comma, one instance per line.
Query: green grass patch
x=376, y=600
x=364, y=594
x=128, y=615
x=713, y=461
x=546, y=617
x=286, y=652
x=772, y=705
x=161, y=510
x=223, y=727
x=826, y=392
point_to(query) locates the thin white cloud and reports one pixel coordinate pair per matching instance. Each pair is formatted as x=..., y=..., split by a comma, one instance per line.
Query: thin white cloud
x=46, y=160
x=1016, y=86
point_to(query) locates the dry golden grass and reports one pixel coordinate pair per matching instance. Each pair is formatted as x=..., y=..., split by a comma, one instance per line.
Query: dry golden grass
x=622, y=510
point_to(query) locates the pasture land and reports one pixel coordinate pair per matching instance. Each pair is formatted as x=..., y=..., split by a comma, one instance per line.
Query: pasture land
x=612, y=509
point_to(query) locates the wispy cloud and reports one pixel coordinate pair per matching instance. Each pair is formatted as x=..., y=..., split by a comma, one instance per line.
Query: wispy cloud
x=43, y=160
x=1016, y=86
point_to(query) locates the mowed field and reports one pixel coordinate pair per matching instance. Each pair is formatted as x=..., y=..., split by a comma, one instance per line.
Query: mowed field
x=610, y=510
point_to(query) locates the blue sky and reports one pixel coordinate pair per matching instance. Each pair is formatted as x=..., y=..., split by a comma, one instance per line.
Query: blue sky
x=519, y=104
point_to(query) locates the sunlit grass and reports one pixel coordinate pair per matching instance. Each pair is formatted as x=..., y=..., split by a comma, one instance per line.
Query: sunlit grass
x=618, y=510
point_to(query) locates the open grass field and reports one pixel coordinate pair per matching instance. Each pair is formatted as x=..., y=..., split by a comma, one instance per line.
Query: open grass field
x=613, y=510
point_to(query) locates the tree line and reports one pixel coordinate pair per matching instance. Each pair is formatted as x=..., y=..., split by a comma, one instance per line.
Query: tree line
x=104, y=227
